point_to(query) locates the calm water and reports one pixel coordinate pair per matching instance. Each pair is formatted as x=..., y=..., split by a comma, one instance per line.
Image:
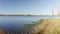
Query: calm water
x=7, y=22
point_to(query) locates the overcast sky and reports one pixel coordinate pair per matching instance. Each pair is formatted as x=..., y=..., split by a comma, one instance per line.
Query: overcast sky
x=35, y=7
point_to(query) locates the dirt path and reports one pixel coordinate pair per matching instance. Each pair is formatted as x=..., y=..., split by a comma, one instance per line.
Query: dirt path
x=49, y=26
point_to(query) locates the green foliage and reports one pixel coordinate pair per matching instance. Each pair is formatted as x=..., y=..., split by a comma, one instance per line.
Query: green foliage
x=27, y=27
x=41, y=20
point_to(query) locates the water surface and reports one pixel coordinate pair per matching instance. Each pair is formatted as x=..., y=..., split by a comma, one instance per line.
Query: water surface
x=10, y=22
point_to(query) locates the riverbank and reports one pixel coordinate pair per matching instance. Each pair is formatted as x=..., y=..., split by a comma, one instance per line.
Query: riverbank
x=48, y=26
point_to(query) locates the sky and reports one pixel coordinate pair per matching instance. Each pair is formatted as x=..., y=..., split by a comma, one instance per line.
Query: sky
x=33, y=7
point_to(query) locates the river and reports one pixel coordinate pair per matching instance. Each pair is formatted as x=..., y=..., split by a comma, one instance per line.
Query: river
x=9, y=22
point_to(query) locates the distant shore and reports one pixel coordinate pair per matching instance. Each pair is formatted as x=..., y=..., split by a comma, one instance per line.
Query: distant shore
x=21, y=15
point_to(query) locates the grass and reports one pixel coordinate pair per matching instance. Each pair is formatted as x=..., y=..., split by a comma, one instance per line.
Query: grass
x=47, y=26
x=41, y=20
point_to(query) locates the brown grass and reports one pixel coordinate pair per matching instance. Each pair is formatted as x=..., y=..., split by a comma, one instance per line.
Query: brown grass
x=48, y=26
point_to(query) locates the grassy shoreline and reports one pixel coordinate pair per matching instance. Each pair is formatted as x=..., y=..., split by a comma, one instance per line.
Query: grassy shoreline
x=48, y=26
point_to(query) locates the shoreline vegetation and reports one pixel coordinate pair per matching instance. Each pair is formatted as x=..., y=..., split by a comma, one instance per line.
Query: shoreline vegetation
x=47, y=26
x=44, y=26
